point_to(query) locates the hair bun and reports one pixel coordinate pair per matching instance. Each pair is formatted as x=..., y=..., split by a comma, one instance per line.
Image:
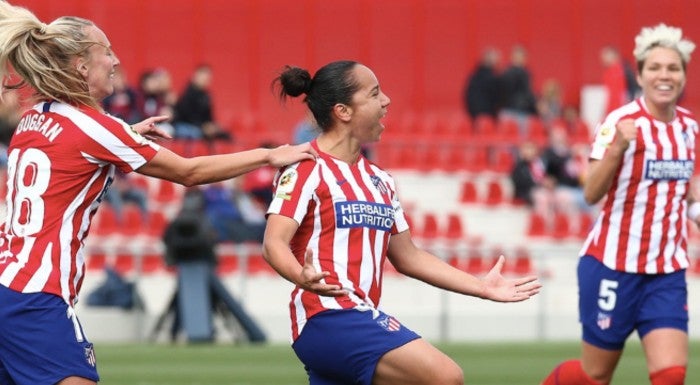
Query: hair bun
x=295, y=81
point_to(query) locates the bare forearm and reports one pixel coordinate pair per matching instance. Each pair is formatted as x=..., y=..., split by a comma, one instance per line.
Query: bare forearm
x=204, y=169
x=600, y=176
x=280, y=257
x=428, y=268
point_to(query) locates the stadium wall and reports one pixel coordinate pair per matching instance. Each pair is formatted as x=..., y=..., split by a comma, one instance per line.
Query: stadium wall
x=421, y=50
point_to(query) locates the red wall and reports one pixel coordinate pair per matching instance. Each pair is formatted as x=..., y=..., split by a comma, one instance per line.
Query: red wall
x=421, y=50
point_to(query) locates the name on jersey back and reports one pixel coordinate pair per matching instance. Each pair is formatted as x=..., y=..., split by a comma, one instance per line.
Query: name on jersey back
x=41, y=124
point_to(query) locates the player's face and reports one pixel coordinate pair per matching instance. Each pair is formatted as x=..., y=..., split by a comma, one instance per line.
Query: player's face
x=100, y=65
x=369, y=106
x=662, y=78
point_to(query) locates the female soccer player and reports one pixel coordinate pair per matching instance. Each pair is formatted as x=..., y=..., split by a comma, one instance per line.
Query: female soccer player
x=62, y=158
x=332, y=224
x=631, y=274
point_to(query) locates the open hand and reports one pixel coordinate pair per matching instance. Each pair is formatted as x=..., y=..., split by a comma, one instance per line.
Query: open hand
x=311, y=280
x=497, y=288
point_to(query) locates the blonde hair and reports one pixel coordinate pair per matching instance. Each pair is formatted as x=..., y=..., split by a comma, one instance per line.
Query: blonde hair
x=662, y=35
x=43, y=54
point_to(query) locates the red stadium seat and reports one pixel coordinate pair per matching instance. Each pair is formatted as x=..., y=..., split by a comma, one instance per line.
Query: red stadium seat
x=152, y=263
x=561, y=227
x=485, y=127
x=430, y=229
x=227, y=264
x=455, y=227
x=124, y=264
x=494, y=193
x=96, y=261
x=468, y=193
x=537, y=225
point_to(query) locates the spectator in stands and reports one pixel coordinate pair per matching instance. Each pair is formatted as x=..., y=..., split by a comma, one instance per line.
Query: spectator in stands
x=223, y=209
x=305, y=130
x=481, y=94
x=631, y=274
x=564, y=173
x=613, y=78
x=155, y=97
x=332, y=224
x=519, y=102
x=550, y=103
x=62, y=155
x=124, y=190
x=194, y=116
x=123, y=103
x=528, y=178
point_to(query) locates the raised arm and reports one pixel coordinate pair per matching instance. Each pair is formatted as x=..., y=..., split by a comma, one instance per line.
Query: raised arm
x=601, y=173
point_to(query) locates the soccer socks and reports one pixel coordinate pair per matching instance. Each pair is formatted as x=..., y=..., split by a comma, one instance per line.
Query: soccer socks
x=675, y=375
x=571, y=373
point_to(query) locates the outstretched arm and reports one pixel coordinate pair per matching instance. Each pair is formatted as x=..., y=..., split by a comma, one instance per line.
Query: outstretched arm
x=419, y=264
x=214, y=168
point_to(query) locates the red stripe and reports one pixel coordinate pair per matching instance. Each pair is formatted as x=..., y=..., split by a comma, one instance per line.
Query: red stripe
x=628, y=206
x=355, y=251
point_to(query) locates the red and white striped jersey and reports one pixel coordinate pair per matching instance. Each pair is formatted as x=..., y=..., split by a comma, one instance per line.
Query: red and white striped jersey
x=642, y=226
x=346, y=215
x=61, y=159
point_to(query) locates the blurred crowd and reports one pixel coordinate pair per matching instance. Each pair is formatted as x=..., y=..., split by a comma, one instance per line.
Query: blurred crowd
x=546, y=175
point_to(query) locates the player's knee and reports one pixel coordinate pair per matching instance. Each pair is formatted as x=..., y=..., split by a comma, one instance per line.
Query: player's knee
x=450, y=374
x=674, y=375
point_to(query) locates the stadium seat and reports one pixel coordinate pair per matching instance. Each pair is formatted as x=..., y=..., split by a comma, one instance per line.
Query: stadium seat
x=585, y=225
x=157, y=223
x=537, y=225
x=503, y=160
x=561, y=226
x=227, y=264
x=430, y=229
x=537, y=131
x=105, y=222
x=132, y=221
x=494, y=193
x=485, y=127
x=477, y=158
x=508, y=131
x=468, y=192
x=124, y=264
x=152, y=263
x=455, y=227
x=96, y=261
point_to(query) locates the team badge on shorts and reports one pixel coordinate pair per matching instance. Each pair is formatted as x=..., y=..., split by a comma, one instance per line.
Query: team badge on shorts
x=90, y=355
x=389, y=323
x=604, y=321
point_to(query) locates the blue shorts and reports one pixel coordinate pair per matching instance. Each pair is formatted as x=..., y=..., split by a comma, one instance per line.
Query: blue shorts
x=41, y=340
x=344, y=346
x=612, y=304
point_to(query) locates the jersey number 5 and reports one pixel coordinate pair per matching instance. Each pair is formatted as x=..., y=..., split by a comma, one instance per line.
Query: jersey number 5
x=27, y=179
x=607, y=295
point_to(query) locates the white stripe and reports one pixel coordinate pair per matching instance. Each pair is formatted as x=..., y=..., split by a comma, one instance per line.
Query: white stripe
x=101, y=135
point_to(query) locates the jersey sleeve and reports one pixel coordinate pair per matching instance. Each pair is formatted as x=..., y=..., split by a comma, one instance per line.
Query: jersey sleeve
x=400, y=219
x=293, y=190
x=109, y=139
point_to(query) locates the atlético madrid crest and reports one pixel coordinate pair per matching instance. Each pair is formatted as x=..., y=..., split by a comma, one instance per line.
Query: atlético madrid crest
x=389, y=323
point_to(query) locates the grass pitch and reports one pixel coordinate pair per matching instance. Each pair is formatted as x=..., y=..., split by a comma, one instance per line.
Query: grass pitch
x=483, y=364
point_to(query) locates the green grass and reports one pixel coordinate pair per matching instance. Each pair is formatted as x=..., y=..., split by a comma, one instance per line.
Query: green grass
x=483, y=364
